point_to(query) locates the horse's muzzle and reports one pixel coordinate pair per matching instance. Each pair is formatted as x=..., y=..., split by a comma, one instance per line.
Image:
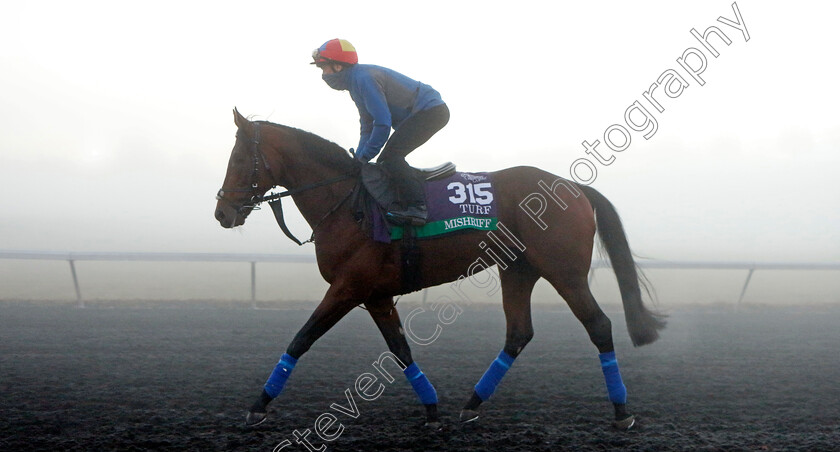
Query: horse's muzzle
x=229, y=217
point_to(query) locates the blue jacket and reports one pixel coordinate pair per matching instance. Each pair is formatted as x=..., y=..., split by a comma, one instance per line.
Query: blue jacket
x=385, y=99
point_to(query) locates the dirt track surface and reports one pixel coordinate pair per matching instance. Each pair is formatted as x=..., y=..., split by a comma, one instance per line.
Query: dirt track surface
x=182, y=378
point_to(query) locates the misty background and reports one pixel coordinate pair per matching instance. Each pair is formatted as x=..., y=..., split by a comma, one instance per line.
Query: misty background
x=117, y=127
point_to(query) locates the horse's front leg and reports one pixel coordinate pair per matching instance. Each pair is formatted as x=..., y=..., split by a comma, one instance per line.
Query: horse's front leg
x=387, y=319
x=335, y=305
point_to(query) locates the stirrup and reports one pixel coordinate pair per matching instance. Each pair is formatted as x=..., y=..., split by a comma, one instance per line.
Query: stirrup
x=411, y=216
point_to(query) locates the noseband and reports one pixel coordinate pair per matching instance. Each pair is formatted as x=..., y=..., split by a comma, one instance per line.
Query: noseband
x=274, y=199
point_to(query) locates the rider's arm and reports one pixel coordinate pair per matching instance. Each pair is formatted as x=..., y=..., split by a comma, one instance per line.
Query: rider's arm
x=375, y=107
x=366, y=126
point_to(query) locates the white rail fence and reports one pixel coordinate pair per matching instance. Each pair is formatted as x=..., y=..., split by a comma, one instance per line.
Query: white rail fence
x=72, y=257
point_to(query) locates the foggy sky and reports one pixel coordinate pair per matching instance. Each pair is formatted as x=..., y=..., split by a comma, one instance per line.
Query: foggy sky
x=117, y=121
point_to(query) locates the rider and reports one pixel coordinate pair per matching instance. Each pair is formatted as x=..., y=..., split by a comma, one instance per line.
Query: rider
x=386, y=99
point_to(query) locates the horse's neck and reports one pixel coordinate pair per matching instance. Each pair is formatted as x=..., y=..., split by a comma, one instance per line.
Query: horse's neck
x=319, y=204
x=315, y=204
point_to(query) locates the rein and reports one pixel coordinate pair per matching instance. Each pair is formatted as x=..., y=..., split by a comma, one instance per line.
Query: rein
x=274, y=200
x=276, y=204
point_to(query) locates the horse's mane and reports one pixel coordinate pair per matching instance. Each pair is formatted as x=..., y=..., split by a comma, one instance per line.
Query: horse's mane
x=325, y=150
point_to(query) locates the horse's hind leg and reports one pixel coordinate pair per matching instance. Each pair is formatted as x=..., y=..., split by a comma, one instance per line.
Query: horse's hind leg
x=598, y=326
x=517, y=284
x=387, y=319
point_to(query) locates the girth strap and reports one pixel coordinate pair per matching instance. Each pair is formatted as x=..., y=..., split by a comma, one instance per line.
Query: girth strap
x=412, y=279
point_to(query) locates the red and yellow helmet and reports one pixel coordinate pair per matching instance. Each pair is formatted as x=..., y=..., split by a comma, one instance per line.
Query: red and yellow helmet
x=337, y=50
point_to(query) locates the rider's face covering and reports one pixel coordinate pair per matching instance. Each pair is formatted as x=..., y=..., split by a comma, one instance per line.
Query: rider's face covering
x=336, y=80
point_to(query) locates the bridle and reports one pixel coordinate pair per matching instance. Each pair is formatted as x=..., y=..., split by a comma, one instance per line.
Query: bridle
x=256, y=196
x=274, y=199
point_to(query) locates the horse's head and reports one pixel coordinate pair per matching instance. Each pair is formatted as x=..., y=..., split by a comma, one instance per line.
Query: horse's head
x=266, y=155
x=248, y=175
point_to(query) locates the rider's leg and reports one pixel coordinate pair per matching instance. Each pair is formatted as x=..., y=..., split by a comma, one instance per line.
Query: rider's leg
x=412, y=133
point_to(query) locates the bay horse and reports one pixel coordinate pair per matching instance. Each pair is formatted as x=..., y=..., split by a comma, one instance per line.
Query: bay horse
x=549, y=231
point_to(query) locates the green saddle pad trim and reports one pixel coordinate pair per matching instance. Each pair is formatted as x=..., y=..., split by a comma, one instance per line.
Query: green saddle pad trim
x=441, y=227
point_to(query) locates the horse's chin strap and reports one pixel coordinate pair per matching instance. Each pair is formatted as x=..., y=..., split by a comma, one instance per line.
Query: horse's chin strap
x=275, y=201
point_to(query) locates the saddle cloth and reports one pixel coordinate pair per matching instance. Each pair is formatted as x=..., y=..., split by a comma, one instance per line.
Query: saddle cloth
x=455, y=203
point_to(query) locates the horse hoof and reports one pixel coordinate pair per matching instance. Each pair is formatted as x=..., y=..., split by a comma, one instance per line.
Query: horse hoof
x=468, y=416
x=626, y=423
x=253, y=418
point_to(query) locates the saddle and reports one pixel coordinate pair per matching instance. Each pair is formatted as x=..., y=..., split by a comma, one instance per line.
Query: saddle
x=375, y=181
x=454, y=201
x=437, y=172
x=374, y=198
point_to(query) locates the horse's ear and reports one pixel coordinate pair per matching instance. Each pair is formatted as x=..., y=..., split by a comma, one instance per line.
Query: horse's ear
x=238, y=119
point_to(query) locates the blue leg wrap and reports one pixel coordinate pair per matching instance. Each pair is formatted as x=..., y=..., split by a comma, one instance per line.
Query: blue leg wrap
x=422, y=386
x=615, y=387
x=487, y=385
x=277, y=380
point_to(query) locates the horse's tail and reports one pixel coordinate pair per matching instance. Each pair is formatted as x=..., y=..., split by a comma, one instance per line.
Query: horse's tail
x=642, y=323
